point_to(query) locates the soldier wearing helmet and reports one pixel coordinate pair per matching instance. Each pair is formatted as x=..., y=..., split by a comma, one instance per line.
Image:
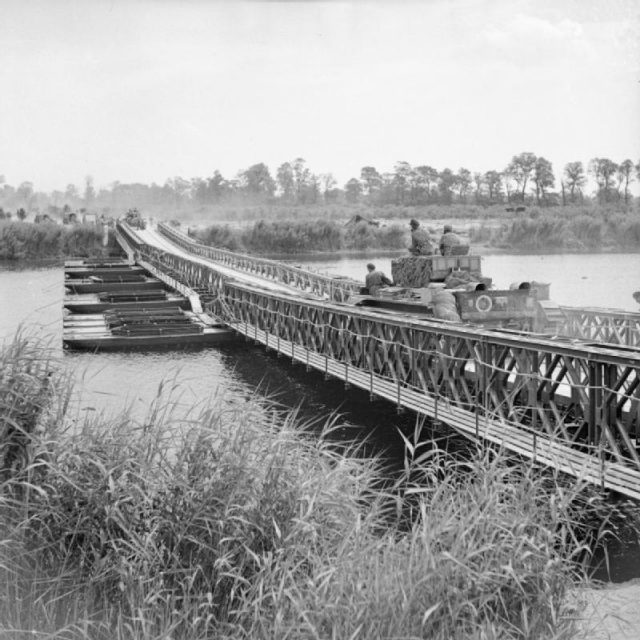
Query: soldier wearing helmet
x=376, y=280
x=420, y=240
x=448, y=240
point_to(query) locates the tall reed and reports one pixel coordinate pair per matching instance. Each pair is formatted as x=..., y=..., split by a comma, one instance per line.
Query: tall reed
x=234, y=523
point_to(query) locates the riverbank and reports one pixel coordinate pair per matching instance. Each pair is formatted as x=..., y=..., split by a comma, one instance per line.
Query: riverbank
x=248, y=526
x=534, y=232
x=24, y=242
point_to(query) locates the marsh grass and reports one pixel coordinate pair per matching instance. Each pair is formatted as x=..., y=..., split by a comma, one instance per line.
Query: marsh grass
x=578, y=228
x=30, y=241
x=236, y=522
x=293, y=237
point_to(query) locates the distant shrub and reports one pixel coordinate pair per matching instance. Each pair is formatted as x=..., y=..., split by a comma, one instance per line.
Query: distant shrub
x=222, y=237
x=587, y=231
x=623, y=231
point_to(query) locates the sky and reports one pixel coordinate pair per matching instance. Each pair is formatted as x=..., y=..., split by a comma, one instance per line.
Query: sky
x=139, y=91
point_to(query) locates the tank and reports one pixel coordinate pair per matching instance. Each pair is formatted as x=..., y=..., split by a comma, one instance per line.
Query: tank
x=454, y=288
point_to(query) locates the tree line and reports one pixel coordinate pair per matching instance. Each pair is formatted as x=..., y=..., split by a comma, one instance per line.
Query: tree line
x=527, y=178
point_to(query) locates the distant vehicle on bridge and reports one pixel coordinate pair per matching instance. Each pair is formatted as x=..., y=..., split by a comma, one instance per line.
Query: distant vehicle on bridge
x=134, y=219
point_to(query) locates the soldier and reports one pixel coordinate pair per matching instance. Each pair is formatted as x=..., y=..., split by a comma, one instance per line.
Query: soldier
x=448, y=240
x=420, y=241
x=376, y=280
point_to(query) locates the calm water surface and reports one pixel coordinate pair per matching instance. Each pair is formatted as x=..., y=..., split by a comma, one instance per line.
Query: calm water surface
x=109, y=383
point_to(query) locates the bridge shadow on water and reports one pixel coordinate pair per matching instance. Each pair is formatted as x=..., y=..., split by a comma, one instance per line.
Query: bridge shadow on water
x=372, y=423
x=375, y=425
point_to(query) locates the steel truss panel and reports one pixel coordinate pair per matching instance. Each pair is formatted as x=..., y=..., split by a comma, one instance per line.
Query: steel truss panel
x=572, y=406
x=590, y=324
x=338, y=289
x=601, y=325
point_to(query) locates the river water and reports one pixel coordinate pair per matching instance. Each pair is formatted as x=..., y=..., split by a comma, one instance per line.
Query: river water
x=111, y=382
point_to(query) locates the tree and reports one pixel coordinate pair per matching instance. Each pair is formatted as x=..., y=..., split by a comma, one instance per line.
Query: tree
x=478, y=182
x=21, y=214
x=625, y=176
x=371, y=179
x=177, y=189
x=284, y=175
x=462, y=183
x=353, y=189
x=311, y=189
x=217, y=187
x=402, y=176
x=328, y=182
x=427, y=177
x=257, y=180
x=603, y=170
x=574, y=178
x=543, y=178
x=388, y=188
x=71, y=192
x=199, y=190
x=301, y=175
x=520, y=169
x=493, y=180
x=25, y=193
x=446, y=184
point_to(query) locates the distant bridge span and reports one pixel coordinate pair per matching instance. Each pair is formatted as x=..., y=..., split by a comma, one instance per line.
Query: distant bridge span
x=569, y=404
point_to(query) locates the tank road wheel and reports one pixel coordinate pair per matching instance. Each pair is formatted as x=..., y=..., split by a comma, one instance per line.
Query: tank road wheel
x=484, y=304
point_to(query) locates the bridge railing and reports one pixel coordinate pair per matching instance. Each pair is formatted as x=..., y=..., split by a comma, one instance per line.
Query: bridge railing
x=593, y=325
x=573, y=406
x=338, y=289
x=601, y=325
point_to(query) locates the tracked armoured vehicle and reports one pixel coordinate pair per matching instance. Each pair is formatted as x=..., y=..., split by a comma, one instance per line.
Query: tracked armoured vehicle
x=453, y=288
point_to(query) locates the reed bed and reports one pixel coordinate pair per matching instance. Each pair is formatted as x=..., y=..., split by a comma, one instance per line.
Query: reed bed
x=237, y=522
x=27, y=241
x=577, y=228
x=295, y=237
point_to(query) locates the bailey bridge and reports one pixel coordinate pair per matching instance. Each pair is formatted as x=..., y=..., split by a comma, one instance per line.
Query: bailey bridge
x=570, y=400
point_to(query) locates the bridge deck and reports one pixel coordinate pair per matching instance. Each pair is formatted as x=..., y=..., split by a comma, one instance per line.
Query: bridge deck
x=153, y=238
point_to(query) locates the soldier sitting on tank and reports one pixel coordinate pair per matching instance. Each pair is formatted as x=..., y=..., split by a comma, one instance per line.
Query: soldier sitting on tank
x=376, y=280
x=420, y=241
x=449, y=240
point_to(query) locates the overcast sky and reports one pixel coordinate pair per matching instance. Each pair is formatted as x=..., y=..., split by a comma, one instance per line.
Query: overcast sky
x=142, y=91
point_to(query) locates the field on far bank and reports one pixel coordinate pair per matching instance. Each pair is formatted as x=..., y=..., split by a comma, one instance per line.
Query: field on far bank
x=576, y=228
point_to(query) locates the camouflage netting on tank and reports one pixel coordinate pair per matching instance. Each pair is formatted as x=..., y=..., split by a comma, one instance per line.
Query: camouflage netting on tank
x=416, y=272
x=413, y=271
x=461, y=279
